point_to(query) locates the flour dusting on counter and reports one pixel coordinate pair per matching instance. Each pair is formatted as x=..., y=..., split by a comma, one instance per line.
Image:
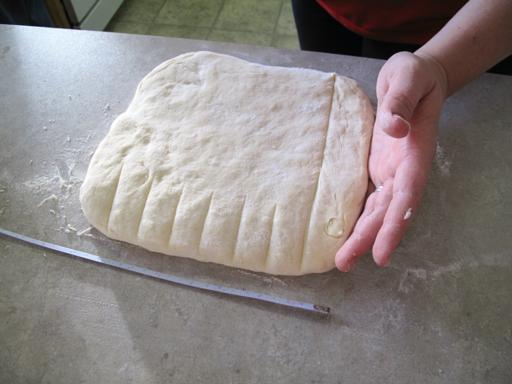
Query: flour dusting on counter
x=442, y=162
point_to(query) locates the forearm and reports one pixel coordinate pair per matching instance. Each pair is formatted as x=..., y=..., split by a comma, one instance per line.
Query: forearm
x=475, y=39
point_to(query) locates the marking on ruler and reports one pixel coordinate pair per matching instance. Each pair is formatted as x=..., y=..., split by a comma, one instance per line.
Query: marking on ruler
x=320, y=309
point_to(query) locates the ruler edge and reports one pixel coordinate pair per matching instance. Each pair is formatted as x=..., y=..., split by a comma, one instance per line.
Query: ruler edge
x=177, y=280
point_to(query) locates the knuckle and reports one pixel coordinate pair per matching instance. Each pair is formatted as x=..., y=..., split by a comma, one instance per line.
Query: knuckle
x=411, y=194
x=401, y=103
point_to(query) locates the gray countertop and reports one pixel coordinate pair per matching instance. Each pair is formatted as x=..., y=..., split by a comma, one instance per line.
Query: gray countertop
x=441, y=313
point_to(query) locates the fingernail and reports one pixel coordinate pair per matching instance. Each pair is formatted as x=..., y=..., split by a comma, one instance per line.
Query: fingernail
x=405, y=121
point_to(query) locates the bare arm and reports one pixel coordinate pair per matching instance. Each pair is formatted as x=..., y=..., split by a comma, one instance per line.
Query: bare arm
x=475, y=39
x=411, y=89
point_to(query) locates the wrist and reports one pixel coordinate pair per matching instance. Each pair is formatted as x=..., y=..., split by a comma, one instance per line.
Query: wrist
x=438, y=70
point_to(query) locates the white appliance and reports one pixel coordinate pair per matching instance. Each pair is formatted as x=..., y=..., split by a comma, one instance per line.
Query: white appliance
x=90, y=14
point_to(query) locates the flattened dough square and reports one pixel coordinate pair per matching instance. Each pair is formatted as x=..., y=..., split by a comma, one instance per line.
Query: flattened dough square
x=226, y=161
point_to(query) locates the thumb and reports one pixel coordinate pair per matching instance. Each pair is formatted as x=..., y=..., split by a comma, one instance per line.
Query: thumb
x=394, y=124
x=397, y=104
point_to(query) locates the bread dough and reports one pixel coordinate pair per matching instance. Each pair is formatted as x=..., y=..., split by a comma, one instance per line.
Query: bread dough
x=226, y=161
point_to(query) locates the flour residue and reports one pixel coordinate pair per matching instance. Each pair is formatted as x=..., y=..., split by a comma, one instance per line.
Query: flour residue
x=69, y=228
x=267, y=279
x=442, y=162
x=410, y=277
x=446, y=269
x=53, y=191
x=63, y=180
x=83, y=232
x=52, y=199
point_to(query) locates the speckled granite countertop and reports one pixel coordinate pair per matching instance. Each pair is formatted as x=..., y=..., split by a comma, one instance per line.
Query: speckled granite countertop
x=441, y=313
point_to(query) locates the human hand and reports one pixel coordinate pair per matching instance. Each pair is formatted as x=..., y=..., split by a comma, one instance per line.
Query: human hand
x=411, y=89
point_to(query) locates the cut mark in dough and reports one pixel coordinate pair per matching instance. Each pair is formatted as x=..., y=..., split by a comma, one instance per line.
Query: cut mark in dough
x=174, y=216
x=237, y=234
x=310, y=212
x=116, y=187
x=271, y=231
x=144, y=205
x=204, y=220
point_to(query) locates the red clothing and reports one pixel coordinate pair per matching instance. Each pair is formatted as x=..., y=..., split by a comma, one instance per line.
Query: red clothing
x=396, y=21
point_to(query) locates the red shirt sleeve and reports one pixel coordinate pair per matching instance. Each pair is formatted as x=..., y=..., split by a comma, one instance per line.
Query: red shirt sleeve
x=397, y=21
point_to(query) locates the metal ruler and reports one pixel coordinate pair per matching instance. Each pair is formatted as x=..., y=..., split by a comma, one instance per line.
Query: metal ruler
x=321, y=309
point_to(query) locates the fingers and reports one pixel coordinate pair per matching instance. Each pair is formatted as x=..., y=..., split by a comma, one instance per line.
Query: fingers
x=386, y=216
x=366, y=229
x=405, y=201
